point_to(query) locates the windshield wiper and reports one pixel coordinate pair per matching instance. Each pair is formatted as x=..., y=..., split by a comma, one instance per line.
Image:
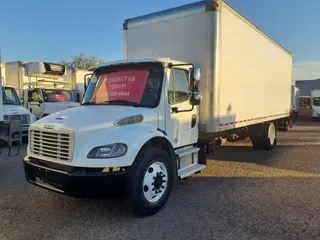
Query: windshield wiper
x=124, y=102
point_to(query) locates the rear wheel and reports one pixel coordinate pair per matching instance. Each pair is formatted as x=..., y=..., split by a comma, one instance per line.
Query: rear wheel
x=266, y=138
x=286, y=126
x=150, y=181
x=221, y=141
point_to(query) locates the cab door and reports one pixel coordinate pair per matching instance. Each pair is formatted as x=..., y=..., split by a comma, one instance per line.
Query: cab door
x=35, y=102
x=181, y=119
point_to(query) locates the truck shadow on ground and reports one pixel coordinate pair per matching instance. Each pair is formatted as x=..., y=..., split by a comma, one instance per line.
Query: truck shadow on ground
x=278, y=158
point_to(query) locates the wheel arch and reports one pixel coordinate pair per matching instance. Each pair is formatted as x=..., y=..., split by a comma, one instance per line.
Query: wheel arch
x=165, y=145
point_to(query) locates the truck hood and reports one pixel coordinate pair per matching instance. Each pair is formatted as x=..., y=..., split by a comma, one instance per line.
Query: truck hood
x=91, y=118
x=14, y=110
x=53, y=107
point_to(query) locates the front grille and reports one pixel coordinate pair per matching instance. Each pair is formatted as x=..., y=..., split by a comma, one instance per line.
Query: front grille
x=52, y=145
x=24, y=118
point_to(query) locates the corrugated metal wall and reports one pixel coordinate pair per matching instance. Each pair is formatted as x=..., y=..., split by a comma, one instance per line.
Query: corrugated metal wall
x=307, y=85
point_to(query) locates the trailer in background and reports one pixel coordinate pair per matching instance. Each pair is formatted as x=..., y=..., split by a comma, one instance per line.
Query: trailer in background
x=295, y=101
x=76, y=78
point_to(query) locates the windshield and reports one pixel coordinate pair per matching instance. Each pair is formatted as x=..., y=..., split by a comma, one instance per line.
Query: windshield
x=57, y=95
x=10, y=96
x=316, y=101
x=130, y=84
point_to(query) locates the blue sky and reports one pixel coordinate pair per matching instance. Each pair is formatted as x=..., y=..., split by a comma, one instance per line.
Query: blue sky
x=38, y=30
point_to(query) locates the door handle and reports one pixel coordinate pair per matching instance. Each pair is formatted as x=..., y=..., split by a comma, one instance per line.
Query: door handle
x=193, y=120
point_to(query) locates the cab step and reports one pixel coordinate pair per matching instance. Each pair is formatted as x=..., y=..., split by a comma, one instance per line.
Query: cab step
x=181, y=152
x=191, y=169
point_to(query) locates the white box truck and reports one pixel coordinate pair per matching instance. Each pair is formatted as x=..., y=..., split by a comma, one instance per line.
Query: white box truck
x=41, y=86
x=77, y=80
x=146, y=122
x=295, y=94
x=315, y=103
x=11, y=107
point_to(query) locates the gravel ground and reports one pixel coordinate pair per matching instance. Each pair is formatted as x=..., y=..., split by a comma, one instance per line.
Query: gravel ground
x=243, y=194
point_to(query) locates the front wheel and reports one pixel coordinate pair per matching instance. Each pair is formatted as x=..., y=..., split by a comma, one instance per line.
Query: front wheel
x=150, y=181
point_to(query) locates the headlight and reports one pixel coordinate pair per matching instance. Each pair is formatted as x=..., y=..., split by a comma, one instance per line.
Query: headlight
x=109, y=151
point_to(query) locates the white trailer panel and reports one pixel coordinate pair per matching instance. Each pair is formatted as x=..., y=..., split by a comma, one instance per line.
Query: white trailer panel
x=255, y=74
x=246, y=75
x=75, y=78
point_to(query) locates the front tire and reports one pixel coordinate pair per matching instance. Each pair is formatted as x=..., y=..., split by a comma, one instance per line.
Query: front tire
x=150, y=181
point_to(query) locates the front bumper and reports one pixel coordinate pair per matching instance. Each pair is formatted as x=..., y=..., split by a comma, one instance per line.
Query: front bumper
x=73, y=181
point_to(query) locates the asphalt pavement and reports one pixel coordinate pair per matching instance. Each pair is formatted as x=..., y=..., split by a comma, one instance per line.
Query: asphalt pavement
x=242, y=194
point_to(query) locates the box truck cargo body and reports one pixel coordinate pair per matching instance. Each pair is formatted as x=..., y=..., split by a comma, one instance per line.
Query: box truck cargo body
x=246, y=76
x=76, y=79
x=146, y=121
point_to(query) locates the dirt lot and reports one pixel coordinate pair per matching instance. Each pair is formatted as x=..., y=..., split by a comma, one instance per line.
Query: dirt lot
x=243, y=194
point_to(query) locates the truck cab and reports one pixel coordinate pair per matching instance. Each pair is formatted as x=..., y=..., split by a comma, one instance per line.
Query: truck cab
x=45, y=101
x=136, y=117
x=13, y=109
x=315, y=103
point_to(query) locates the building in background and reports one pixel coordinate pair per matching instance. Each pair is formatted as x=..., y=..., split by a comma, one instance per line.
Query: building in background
x=305, y=86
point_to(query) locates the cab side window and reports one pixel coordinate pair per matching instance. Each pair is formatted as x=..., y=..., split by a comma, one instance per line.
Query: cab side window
x=33, y=96
x=178, y=90
x=8, y=94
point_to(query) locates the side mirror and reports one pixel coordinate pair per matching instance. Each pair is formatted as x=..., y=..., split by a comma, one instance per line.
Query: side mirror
x=195, y=98
x=40, y=101
x=197, y=74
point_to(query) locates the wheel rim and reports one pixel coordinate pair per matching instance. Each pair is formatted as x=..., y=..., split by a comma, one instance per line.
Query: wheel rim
x=155, y=181
x=272, y=133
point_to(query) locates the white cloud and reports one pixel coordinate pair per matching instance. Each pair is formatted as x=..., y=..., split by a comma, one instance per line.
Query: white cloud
x=307, y=70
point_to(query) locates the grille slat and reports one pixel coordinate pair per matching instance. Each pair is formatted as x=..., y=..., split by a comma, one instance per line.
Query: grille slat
x=53, y=145
x=50, y=140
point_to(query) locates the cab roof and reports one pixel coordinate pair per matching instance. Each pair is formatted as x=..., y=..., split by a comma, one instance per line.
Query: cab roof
x=165, y=61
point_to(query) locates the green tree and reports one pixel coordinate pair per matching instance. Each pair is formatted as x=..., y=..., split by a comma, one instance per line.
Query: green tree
x=82, y=61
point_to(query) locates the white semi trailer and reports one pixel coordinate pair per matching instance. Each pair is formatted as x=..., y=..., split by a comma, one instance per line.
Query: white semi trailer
x=41, y=86
x=146, y=122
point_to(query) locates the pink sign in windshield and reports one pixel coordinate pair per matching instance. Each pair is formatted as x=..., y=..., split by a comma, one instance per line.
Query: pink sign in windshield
x=126, y=85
